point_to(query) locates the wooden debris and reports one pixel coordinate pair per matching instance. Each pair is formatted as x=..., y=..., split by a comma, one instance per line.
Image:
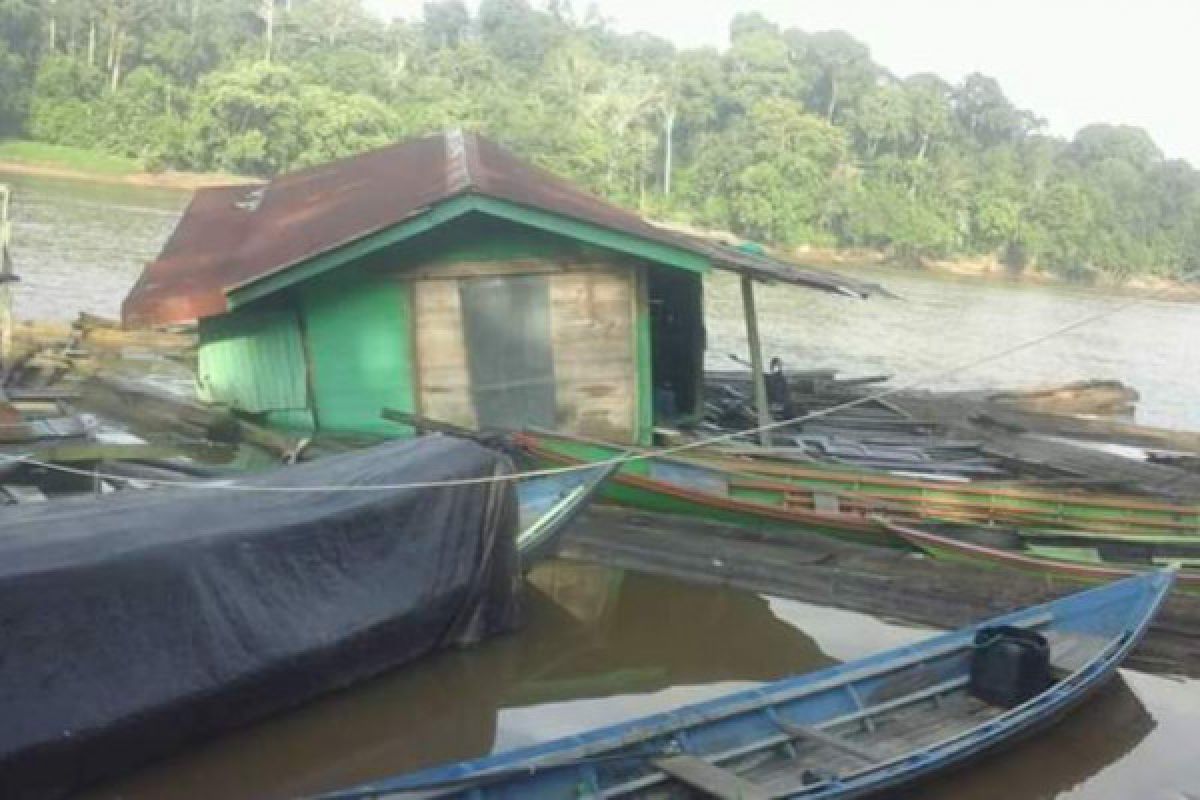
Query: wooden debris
x=1092, y=428
x=150, y=409
x=959, y=412
x=1080, y=397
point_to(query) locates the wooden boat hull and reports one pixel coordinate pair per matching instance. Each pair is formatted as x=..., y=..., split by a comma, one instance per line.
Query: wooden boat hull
x=682, y=487
x=950, y=548
x=847, y=731
x=972, y=502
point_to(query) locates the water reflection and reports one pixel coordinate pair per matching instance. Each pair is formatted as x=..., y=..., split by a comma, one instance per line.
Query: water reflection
x=599, y=646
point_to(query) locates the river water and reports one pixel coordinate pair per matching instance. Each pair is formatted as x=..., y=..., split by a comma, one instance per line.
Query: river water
x=602, y=646
x=78, y=247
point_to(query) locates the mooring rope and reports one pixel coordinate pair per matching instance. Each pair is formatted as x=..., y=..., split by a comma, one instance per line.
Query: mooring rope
x=623, y=458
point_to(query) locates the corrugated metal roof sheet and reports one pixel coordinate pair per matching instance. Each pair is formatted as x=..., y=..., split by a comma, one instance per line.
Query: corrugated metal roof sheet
x=255, y=363
x=231, y=235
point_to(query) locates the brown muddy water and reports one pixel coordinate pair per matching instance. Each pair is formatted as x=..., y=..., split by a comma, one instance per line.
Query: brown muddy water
x=601, y=646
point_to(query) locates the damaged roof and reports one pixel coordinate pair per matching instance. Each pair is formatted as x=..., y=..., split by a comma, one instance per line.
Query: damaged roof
x=234, y=237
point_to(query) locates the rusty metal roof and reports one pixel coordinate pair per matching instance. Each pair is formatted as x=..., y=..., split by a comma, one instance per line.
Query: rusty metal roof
x=233, y=235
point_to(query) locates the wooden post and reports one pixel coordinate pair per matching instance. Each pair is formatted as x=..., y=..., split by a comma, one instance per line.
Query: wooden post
x=6, y=279
x=756, y=361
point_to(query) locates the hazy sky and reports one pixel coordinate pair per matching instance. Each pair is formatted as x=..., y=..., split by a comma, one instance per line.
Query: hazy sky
x=1070, y=61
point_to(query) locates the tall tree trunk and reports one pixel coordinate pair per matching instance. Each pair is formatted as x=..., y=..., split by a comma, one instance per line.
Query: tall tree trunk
x=112, y=47
x=53, y=33
x=269, y=18
x=91, y=42
x=118, y=49
x=668, y=134
x=923, y=147
x=833, y=90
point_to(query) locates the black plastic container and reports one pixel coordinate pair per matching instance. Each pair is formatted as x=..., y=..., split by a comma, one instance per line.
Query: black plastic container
x=1009, y=666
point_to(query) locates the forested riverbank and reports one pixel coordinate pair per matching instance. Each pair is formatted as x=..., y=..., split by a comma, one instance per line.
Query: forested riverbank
x=36, y=159
x=790, y=137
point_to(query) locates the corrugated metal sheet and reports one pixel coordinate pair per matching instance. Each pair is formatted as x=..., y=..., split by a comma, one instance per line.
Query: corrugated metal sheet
x=253, y=362
x=232, y=235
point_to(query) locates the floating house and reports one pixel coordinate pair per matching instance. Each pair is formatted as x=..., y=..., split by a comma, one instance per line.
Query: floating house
x=445, y=277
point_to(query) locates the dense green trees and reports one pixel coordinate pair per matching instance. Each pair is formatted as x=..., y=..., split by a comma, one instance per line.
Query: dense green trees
x=792, y=137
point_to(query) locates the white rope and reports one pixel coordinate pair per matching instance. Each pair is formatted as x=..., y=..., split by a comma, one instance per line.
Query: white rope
x=624, y=458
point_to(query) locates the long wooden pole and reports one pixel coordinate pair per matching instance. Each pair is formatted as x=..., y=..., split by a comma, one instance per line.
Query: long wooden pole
x=756, y=361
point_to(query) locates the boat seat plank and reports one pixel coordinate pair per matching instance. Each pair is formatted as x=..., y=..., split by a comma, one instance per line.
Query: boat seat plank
x=829, y=740
x=710, y=779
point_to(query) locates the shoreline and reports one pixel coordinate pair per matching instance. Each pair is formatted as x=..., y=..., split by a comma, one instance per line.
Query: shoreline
x=181, y=181
x=983, y=269
x=988, y=271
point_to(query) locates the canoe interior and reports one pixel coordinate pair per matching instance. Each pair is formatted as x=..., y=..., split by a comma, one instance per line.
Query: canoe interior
x=1079, y=562
x=1055, y=550
x=872, y=724
x=1117, y=549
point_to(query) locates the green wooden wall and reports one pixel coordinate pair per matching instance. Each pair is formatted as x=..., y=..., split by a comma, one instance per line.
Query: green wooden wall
x=358, y=334
x=253, y=361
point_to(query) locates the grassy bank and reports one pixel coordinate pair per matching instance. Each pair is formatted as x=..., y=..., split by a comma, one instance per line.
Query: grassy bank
x=55, y=161
x=38, y=154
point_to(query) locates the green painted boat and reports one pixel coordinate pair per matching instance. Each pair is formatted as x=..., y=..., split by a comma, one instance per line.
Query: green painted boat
x=690, y=488
x=1113, y=548
x=978, y=502
x=1009, y=549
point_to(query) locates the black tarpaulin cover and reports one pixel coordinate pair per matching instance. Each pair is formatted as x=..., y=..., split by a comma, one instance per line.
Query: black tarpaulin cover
x=135, y=622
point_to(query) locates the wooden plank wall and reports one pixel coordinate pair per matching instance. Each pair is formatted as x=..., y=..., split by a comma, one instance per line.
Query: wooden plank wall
x=592, y=338
x=592, y=318
x=443, y=380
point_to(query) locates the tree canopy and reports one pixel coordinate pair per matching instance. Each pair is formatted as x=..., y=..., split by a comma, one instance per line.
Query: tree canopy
x=788, y=136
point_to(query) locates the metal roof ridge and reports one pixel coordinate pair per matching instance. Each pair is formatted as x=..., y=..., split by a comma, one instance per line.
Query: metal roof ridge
x=458, y=162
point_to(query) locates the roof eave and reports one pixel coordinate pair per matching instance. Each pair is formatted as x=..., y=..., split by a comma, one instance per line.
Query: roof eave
x=248, y=291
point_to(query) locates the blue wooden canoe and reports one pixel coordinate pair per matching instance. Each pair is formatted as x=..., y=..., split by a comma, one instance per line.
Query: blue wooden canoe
x=846, y=731
x=548, y=504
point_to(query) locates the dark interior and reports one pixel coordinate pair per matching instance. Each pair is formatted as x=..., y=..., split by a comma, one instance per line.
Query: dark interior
x=677, y=336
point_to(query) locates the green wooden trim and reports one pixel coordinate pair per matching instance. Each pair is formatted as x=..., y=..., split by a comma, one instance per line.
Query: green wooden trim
x=257, y=288
x=594, y=234
x=644, y=363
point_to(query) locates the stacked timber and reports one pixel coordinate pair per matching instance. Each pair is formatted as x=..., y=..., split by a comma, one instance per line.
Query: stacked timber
x=1070, y=435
